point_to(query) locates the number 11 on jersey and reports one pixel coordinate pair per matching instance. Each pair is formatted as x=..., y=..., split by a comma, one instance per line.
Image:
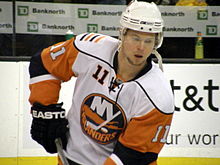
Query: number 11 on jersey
x=104, y=74
x=164, y=137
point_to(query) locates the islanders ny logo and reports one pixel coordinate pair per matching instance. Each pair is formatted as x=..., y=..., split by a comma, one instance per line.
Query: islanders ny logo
x=102, y=119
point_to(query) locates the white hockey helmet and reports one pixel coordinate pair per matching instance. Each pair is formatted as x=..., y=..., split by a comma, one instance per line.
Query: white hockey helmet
x=144, y=17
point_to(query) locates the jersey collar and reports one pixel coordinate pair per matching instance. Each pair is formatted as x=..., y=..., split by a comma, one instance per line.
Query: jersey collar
x=141, y=73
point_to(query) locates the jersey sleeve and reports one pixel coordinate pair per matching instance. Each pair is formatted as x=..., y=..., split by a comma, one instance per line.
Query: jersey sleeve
x=49, y=69
x=142, y=140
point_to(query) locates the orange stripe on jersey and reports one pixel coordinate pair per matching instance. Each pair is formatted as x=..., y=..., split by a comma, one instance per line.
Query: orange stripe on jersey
x=89, y=36
x=99, y=38
x=59, y=58
x=146, y=133
x=109, y=161
x=45, y=92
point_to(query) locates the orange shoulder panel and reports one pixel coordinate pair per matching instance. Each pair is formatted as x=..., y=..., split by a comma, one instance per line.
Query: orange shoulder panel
x=59, y=58
x=147, y=133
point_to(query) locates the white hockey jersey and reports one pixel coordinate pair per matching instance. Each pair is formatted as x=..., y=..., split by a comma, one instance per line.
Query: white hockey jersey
x=105, y=110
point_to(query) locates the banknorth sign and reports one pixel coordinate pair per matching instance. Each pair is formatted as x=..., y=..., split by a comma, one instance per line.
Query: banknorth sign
x=57, y=19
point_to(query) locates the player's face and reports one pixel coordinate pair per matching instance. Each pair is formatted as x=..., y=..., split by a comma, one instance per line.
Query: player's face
x=137, y=47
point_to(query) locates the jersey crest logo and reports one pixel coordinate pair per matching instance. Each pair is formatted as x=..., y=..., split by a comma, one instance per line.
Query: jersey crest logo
x=102, y=119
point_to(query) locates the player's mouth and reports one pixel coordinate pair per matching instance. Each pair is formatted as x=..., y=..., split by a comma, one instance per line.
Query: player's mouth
x=138, y=56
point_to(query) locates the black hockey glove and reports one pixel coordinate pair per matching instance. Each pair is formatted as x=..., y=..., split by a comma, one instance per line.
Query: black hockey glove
x=49, y=123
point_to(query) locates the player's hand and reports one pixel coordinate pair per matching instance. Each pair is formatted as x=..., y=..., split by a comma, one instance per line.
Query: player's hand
x=49, y=123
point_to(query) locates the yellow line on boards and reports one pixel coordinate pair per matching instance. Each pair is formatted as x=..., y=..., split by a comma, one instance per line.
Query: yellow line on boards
x=187, y=161
x=161, y=161
x=29, y=161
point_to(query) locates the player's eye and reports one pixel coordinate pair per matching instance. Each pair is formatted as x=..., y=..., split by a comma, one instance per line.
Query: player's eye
x=135, y=39
x=148, y=41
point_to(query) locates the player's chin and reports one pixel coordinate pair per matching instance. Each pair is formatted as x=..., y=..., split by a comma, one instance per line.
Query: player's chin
x=136, y=61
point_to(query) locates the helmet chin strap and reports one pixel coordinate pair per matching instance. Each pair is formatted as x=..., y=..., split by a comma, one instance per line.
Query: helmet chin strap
x=122, y=32
x=159, y=58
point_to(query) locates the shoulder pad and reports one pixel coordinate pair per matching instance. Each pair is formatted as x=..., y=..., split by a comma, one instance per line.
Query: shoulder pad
x=158, y=90
x=93, y=43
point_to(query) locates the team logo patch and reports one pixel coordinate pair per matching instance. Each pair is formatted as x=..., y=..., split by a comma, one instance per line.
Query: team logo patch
x=102, y=119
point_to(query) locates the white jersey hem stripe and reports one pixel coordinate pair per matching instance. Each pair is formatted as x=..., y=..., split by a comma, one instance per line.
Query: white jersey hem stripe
x=42, y=78
x=116, y=159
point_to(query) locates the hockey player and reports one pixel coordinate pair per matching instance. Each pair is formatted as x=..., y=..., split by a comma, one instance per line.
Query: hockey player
x=122, y=104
